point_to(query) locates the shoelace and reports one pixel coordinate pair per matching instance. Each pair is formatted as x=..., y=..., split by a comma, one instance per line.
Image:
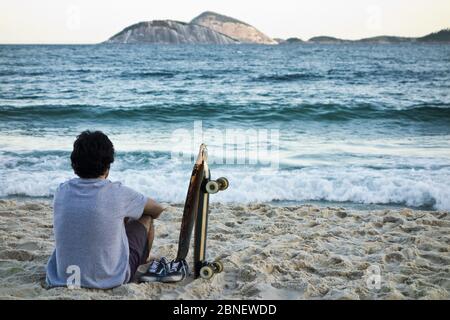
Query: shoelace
x=154, y=266
x=174, y=266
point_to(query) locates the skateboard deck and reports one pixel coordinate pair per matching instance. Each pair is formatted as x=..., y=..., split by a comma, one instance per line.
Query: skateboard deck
x=201, y=224
x=190, y=211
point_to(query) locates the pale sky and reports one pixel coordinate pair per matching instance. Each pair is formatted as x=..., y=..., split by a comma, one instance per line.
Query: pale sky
x=93, y=21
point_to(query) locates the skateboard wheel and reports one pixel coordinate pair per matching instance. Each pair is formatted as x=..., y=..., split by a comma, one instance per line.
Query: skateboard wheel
x=218, y=265
x=212, y=187
x=206, y=272
x=223, y=183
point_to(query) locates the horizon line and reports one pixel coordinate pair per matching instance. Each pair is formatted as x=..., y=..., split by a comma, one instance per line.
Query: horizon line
x=294, y=37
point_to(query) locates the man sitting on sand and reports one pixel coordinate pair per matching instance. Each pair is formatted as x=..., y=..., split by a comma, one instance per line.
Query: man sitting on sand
x=103, y=230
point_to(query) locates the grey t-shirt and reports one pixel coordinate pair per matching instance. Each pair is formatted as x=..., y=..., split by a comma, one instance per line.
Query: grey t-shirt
x=90, y=233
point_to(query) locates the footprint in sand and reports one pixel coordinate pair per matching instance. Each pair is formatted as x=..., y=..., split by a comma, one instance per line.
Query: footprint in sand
x=341, y=214
x=30, y=246
x=392, y=219
x=6, y=213
x=31, y=206
x=19, y=255
x=394, y=257
x=250, y=290
x=247, y=274
x=436, y=259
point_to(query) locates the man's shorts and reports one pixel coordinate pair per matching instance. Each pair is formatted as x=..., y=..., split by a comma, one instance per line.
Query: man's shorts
x=138, y=243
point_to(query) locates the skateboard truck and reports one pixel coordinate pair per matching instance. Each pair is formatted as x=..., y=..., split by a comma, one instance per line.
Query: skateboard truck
x=213, y=187
x=210, y=268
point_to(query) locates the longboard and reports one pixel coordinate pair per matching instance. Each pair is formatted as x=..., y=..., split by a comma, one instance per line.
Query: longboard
x=196, y=210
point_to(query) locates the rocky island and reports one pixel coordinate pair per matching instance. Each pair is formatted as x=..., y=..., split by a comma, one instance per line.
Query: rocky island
x=326, y=40
x=293, y=40
x=214, y=28
x=442, y=36
x=207, y=28
x=241, y=31
x=169, y=32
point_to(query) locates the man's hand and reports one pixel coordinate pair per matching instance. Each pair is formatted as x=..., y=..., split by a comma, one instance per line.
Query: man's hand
x=153, y=209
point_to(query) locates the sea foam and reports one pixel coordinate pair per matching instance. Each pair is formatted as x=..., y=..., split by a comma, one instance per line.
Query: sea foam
x=419, y=188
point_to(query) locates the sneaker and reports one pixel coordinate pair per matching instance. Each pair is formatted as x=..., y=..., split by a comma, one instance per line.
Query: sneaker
x=156, y=271
x=178, y=271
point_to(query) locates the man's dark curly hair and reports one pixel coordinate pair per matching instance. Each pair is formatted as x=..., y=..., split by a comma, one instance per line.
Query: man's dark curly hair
x=92, y=154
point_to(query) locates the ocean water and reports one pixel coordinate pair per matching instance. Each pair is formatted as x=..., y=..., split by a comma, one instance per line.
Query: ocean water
x=356, y=124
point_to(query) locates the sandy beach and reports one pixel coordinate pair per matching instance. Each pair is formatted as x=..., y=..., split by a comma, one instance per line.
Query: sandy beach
x=269, y=252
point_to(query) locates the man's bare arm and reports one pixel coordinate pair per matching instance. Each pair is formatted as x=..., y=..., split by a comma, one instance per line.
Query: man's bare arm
x=153, y=209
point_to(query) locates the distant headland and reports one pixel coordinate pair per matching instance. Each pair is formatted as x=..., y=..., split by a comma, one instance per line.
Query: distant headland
x=213, y=28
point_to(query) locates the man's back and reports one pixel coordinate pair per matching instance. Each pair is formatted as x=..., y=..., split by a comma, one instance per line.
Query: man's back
x=90, y=232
